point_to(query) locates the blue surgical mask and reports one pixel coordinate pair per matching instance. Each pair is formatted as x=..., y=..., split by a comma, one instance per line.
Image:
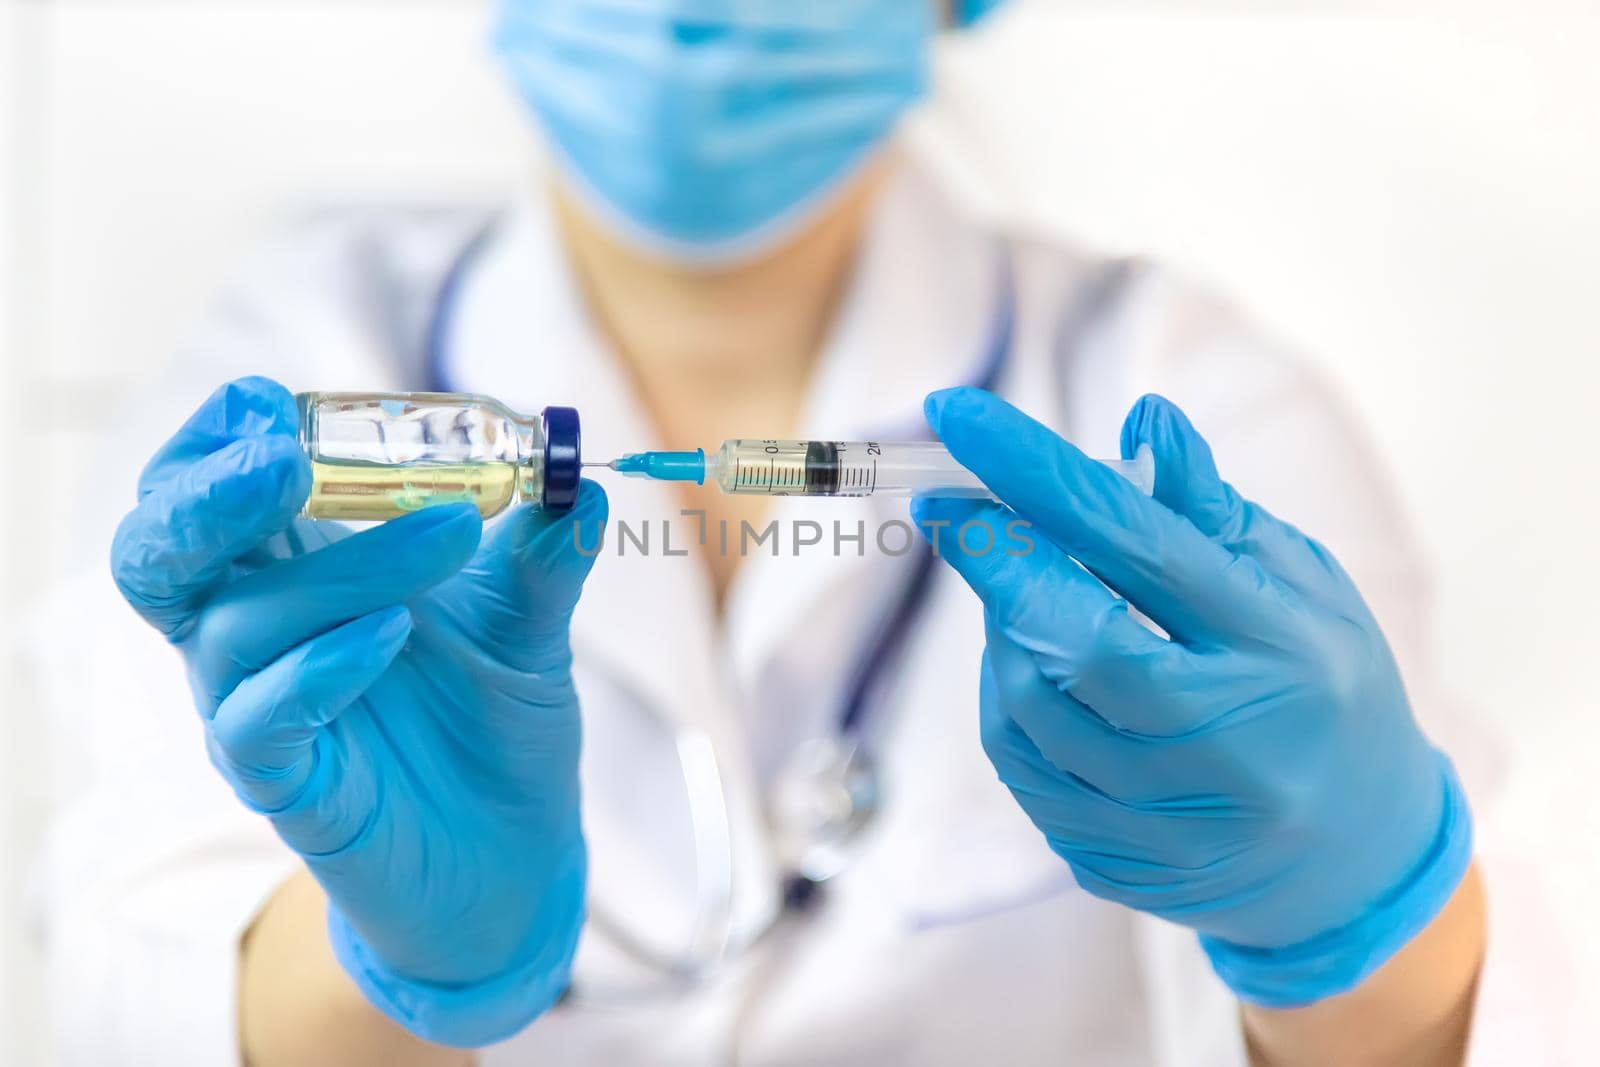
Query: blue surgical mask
x=711, y=130
x=970, y=11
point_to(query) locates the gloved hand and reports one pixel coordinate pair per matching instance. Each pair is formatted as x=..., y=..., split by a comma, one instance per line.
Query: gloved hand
x=398, y=702
x=1258, y=776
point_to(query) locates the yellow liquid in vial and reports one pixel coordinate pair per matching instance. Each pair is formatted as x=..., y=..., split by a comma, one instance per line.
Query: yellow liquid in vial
x=360, y=492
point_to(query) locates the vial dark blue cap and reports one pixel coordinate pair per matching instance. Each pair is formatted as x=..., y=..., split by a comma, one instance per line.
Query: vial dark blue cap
x=563, y=458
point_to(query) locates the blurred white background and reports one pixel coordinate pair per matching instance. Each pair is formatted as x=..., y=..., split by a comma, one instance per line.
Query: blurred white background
x=1412, y=197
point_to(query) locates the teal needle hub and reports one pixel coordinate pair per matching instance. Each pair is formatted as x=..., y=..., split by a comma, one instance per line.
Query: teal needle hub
x=665, y=466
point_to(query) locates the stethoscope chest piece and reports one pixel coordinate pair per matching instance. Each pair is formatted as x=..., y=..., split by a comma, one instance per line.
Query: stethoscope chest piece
x=824, y=797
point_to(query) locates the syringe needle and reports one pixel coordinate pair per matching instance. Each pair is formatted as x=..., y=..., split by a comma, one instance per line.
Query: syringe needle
x=612, y=464
x=662, y=466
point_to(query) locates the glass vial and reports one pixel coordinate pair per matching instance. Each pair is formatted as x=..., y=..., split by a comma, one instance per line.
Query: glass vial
x=376, y=456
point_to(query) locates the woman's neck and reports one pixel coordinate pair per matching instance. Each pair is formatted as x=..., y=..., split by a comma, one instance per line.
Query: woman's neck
x=721, y=352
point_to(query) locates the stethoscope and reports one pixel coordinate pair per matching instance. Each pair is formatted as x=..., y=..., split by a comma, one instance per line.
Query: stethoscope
x=828, y=793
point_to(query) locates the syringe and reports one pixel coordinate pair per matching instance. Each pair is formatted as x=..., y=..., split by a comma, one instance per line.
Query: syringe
x=836, y=468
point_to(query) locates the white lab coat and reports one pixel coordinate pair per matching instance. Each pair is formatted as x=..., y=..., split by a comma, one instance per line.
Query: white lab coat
x=955, y=937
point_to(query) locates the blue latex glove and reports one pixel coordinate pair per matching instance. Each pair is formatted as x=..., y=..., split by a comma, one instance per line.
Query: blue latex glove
x=398, y=702
x=1259, y=776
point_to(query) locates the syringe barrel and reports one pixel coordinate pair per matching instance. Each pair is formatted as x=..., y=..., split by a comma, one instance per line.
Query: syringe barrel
x=861, y=468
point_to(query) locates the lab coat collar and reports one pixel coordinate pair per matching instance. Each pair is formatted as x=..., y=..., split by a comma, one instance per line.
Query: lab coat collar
x=917, y=315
